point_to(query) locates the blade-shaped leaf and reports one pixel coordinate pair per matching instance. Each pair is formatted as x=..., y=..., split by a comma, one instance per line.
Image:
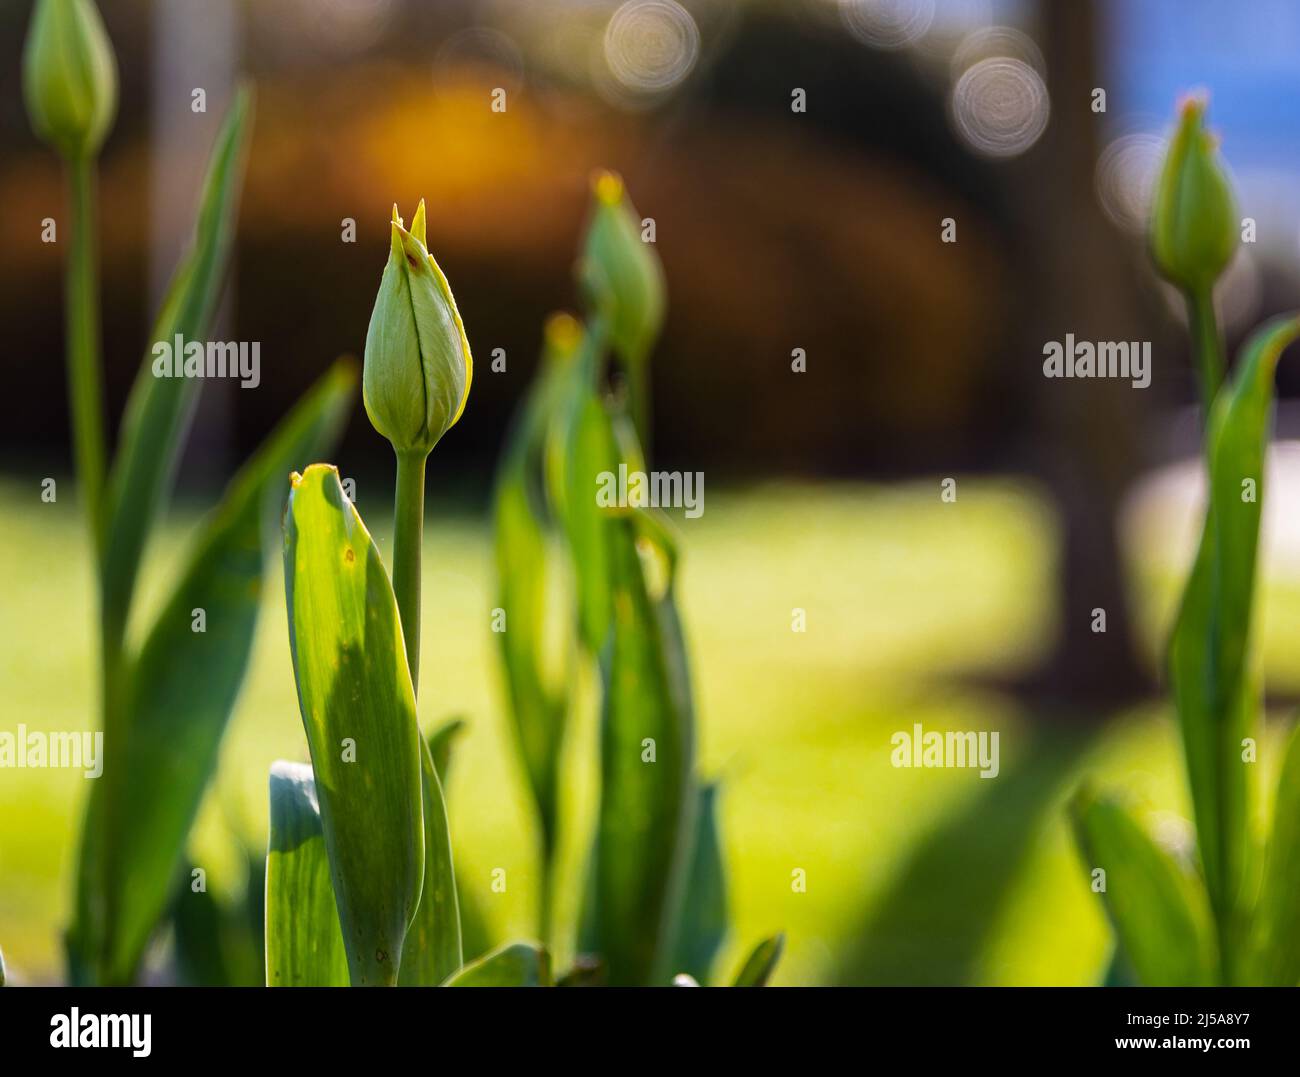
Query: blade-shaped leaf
x=159, y=409
x=433, y=945
x=1159, y=910
x=537, y=706
x=304, y=943
x=647, y=799
x=1208, y=650
x=1278, y=913
x=703, y=924
x=760, y=964
x=440, y=742
x=358, y=708
x=182, y=688
x=517, y=964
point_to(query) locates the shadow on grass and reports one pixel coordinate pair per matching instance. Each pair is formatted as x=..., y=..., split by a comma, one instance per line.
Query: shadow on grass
x=932, y=925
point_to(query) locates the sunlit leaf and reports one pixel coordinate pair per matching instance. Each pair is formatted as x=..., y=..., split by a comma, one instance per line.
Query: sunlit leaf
x=647, y=799
x=517, y=964
x=158, y=410
x=358, y=708
x=1159, y=910
x=703, y=923
x=181, y=689
x=1217, y=706
x=760, y=964
x=433, y=944
x=304, y=944
x=1278, y=914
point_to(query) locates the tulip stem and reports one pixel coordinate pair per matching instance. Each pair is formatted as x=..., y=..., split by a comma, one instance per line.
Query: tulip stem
x=408, y=531
x=407, y=539
x=85, y=381
x=1208, y=343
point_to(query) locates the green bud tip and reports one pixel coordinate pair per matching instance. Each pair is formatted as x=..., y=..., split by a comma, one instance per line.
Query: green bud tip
x=418, y=366
x=69, y=77
x=1194, y=224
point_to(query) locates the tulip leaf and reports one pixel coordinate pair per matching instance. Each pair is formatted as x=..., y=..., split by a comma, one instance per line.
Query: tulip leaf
x=159, y=410
x=181, y=689
x=304, y=943
x=358, y=708
x=703, y=923
x=647, y=799
x=1208, y=649
x=760, y=964
x=433, y=944
x=1159, y=910
x=517, y=964
x=1278, y=913
x=537, y=706
x=440, y=742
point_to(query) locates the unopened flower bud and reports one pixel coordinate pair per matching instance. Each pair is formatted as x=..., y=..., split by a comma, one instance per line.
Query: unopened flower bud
x=1194, y=218
x=69, y=77
x=418, y=366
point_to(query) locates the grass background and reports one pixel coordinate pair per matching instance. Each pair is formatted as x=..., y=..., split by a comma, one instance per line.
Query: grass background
x=916, y=610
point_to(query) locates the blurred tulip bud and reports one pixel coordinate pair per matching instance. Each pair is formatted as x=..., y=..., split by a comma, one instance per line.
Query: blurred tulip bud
x=418, y=366
x=69, y=76
x=1194, y=220
x=620, y=272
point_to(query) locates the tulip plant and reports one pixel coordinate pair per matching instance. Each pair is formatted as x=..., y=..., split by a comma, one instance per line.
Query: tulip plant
x=167, y=688
x=1231, y=916
x=361, y=885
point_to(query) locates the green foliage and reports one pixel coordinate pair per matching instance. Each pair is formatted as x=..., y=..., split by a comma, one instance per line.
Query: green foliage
x=358, y=708
x=182, y=686
x=1247, y=936
x=761, y=963
x=1158, y=908
x=517, y=964
x=304, y=943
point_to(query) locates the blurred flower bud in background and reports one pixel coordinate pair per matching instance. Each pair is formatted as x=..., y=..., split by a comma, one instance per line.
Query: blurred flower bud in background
x=69, y=76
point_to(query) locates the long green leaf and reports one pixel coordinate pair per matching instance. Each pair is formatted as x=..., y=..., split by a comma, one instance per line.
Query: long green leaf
x=517, y=964
x=1159, y=911
x=703, y=925
x=182, y=687
x=647, y=800
x=1208, y=651
x=1278, y=914
x=537, y=705
x=159, y=409
x=304, y=943
x=760, y=964
x=433, y=944
x=358, y=708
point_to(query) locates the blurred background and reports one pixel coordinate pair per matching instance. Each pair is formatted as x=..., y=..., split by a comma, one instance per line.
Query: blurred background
x=779, y=230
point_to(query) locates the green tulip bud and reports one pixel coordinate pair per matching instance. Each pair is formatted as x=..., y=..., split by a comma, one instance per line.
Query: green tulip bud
x=620, y=272
x=69, y=77
x=1194, y=220
x=418, y=367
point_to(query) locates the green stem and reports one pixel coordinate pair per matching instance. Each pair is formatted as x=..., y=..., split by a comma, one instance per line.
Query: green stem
x=85, y=381
x=1208, y=343
x=408, y=530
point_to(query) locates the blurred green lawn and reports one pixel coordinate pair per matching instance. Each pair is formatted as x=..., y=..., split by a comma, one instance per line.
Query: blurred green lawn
x=922, y=876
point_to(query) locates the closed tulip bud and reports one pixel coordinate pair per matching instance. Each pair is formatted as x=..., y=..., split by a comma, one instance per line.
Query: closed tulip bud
x=1194, y=220
x=69, y=77
x=620, y=271
x=418, y=366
